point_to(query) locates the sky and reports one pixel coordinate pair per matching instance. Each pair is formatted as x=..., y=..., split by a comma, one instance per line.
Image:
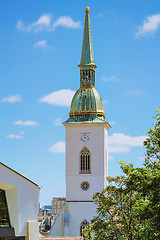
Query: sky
x=40, y=49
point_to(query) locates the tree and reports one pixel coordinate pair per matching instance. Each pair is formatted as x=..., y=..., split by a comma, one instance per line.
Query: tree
x=152, y=165
x=146, y=181
x=129, y=207
x=116, y=217
x=152, y=143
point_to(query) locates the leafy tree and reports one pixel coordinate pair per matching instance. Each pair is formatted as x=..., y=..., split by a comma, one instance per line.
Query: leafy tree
x=116, y=217
x=146, y=181
x=139, y=180
x=129, y=207
x=152, y=167
x=152, y=143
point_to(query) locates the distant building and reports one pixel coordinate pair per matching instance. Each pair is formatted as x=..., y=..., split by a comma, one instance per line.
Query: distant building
x=18, y=206
x=47, y=210
x=57, y=204
x=47, y=207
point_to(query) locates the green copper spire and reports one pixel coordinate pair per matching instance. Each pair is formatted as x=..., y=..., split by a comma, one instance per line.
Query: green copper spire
x=86, y=104
x=87, y=65
x=87, y=58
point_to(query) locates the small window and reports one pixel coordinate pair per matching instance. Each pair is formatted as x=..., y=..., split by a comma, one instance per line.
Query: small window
x=85, y=165
x=83, y=225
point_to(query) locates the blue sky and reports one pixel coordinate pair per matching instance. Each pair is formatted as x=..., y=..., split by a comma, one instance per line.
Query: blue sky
x=40, y=48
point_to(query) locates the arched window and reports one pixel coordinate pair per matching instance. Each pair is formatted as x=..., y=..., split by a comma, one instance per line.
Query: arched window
x=85, y=161
x=83, y=225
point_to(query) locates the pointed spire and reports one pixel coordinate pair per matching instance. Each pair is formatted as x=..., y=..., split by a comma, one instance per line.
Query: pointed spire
x=87, y=58
x=86, y=104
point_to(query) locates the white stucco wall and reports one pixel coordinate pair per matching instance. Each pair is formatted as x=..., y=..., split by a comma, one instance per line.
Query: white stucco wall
x=22, y=199
x=78, y=213
x=98, y=147
x=58, y=226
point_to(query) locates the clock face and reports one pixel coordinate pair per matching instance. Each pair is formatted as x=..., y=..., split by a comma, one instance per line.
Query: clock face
x=85, y=137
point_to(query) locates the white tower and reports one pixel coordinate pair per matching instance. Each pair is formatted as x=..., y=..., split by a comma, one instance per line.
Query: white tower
x=86, y=144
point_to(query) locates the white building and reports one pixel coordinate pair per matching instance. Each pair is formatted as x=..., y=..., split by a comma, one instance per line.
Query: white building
x=18, y=206
x=86, y=148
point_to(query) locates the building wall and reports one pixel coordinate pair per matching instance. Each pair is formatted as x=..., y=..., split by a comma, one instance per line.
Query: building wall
x=98, y=150
x=58, y=227
x=22, y=199
x=71, y=216
x=79, y=212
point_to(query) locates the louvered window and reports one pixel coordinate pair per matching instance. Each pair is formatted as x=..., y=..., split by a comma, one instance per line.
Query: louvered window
x=85, y=161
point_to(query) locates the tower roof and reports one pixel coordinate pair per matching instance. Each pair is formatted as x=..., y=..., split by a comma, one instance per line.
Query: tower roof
x=86, y=104
x=87, y=57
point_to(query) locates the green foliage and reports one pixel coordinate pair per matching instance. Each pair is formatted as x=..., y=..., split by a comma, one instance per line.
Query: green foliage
x=152, y=143
x=129, y=207
x=116, y=212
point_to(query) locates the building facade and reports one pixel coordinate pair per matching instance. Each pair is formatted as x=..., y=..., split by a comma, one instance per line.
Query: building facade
x=57, y=205
x=18, y=206
x=86, y=146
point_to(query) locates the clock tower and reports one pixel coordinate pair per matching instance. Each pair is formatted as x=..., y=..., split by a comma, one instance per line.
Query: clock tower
x=86, y=144
x=86, y=148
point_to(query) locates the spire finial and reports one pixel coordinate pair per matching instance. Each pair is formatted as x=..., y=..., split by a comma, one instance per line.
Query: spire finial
x=87, y=10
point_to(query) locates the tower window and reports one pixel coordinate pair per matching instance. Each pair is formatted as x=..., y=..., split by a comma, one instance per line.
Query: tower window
x=85, y=165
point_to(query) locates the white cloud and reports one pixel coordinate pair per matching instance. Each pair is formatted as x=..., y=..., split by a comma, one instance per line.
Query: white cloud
x=134, y=92
x=40, y=44
x=105, y=79
x=58, y=147
x=20, y=26
x=11, y=136
x=150, y=25
x=121, y=139
x=62, y=97
x=43, y=23
x=26, y=123
x=43, y=45
x=119, y=143
x=118, y=149
x=12, y=99
x=57, y=122
x=67, y=22
x=44, y=20
x=46, y=23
